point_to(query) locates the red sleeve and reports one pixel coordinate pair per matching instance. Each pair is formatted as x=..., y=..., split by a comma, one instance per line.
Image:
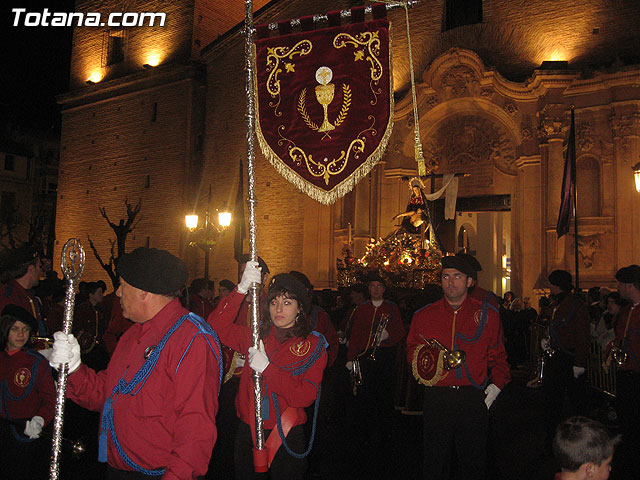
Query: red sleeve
x=87, y=388
x=359, y=332
x=325, y=327
x=497, y=355
x=237, y=337
x=196, y=385
x=46, y=392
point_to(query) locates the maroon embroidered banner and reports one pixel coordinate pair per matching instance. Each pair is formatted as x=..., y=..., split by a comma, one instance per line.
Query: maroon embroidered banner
x=325, y=105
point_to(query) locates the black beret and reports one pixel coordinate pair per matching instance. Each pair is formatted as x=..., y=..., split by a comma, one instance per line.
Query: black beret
x=472, y=261
x=629, y=274
x=375, y=277
x=153, y=270
x=14, y=258
x=228, y=284
x=302, y=278
x=458, y=263
x=289, y=283
x=21, y=314
x=261, y=263
x=560, y=278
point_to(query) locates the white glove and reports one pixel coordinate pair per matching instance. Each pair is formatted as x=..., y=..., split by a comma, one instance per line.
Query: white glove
x=34, y=427
x=252, y=274
x=349, y=365
x=384, y=335
x=492, y=391
x=239, y=361
x=65, y=350
x=46, y=353
x=544, y=343
x=258, y=359
x=577, y=371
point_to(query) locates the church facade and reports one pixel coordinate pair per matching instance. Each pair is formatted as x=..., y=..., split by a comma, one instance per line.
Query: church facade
x=494, y=89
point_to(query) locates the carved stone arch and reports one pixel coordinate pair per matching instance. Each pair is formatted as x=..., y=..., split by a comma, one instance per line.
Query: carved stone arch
x=466, y=132
x=456, y=73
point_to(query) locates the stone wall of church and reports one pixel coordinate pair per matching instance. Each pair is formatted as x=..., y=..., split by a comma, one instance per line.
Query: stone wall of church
x=133, y=147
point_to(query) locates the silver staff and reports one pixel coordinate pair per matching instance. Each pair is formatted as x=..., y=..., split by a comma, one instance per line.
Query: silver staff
x=72, y=264
x=260, y=454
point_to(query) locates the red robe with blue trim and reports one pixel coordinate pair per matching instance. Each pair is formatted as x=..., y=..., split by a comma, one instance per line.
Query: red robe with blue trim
x=292, y=391
x=171, y=422
x=486, y=358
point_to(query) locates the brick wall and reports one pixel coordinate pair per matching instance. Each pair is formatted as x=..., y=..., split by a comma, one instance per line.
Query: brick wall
x=111, y=151
x=142, y=45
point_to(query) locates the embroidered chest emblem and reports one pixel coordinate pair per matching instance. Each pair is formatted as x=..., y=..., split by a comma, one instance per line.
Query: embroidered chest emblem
x=22, y=377
x=477, y=317
x=301, y=348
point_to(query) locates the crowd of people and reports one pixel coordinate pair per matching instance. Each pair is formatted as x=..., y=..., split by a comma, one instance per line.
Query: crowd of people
x=168, y=371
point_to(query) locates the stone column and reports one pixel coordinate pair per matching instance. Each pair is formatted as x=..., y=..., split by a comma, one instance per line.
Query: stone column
x=626, y=139
x=527, y=231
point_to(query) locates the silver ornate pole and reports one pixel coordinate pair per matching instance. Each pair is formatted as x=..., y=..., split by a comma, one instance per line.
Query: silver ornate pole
x=72, y=264
x=259, y=454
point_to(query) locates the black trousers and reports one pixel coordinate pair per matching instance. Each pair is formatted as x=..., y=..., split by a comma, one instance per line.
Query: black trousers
x=455, y=420
x=627, y=408
x=559, y=382
x=373, y=403
x=283, y=467
x=25, y=459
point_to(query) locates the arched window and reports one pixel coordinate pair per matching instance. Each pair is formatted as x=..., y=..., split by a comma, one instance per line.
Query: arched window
x=588, y=187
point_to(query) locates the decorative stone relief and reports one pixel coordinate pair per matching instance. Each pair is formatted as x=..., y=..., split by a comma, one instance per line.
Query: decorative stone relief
x=585, y=136
x=588, y=246
x=472, y=140
x=432, y=100
x=511, y=108
x=526, y=133
x=486, y=92
x=459, y=81
x=551, y=122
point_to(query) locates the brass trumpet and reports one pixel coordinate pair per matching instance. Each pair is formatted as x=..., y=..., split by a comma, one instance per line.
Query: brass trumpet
x=377, y=339
x=47, y=341
x=452, y=360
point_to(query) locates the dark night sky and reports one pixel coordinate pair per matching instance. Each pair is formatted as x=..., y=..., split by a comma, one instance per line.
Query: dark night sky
x=35, y=66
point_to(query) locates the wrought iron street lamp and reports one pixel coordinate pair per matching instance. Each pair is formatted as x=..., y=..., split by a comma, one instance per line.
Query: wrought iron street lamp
x=207, y=236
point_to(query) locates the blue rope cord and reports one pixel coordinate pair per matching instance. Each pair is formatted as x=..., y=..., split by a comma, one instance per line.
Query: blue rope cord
x=6, y=395
x=138, y=381
x=317, y=352
x=276, y=407
x=474, y=339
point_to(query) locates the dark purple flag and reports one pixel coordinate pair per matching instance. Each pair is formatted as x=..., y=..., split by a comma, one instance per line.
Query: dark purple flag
x=568, y=182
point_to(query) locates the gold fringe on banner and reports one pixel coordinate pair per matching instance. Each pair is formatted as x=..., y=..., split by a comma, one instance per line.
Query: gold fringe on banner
x=349, y=183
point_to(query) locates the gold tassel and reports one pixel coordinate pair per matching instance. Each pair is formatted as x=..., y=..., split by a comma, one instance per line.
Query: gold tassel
x=349, y=183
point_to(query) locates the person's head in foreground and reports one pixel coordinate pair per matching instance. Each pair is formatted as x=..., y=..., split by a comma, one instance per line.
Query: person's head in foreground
x=584, y=449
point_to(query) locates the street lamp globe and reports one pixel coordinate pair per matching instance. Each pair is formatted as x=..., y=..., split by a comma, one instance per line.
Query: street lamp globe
x=224, y=218
x=191, y=221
